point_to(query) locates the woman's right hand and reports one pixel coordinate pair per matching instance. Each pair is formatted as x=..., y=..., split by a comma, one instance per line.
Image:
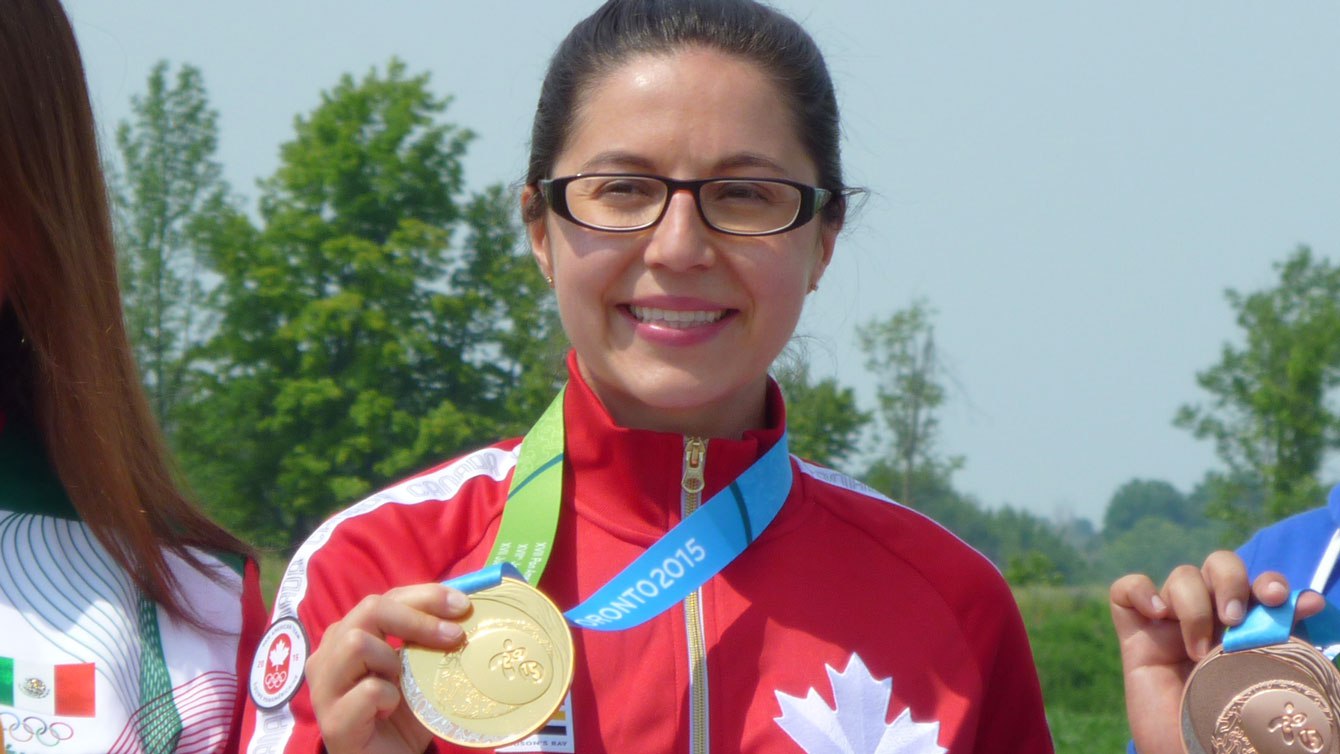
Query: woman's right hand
x=1164, y=633
x=353, y=677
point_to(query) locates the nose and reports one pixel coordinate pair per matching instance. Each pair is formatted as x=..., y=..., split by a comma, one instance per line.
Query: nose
x=681, y=240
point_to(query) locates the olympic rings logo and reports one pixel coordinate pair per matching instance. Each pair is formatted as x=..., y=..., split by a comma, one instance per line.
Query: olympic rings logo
x=35, y=728
x=275, y=681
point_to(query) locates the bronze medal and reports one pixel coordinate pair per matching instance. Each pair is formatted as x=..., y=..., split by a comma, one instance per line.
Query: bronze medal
x=1276, y=699
x=505, y=681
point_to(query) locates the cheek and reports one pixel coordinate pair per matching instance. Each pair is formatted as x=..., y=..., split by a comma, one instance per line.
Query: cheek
x=588, y=264
x=583, y=279
x=794, y=267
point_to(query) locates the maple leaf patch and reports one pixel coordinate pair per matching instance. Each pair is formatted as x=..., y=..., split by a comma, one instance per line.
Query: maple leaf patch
x=856, y=723
x=279, y=653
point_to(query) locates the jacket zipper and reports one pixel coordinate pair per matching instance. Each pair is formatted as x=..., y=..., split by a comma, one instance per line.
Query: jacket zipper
x=695, y=458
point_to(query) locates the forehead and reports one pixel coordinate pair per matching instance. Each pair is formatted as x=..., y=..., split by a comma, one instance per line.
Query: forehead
x=684, y=113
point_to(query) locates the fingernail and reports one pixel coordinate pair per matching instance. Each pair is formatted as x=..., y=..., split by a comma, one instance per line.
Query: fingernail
x=1202, y=648
x=1158, y=603
x=1276, y=590
x=448, y=631
x=457, y=601
x=1233, y=611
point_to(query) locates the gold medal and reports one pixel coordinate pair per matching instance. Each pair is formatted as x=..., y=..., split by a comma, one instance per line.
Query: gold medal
x=505, y=681
x=1277, y=699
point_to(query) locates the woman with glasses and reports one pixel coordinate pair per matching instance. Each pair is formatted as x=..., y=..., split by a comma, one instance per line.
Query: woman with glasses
x=127, y=617
x=684, y=195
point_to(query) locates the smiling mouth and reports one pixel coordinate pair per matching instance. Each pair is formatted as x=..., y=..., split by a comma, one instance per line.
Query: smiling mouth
x=678, y=319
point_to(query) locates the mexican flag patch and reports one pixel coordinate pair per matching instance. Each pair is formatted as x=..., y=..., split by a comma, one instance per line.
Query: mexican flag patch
x=65, y=690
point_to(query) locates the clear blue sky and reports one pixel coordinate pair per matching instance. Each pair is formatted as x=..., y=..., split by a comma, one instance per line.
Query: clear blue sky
x=1071, y=185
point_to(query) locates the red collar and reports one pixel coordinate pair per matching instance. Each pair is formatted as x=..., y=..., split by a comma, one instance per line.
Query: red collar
x=629, y=480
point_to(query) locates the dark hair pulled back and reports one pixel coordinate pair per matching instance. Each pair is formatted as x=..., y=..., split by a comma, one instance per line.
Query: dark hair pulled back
x=622, y=29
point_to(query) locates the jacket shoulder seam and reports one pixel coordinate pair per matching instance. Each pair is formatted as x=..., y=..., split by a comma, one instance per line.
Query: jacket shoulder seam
x=441, y=484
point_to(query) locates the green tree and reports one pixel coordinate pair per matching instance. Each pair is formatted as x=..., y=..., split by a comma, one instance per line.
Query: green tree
x=168, y=185
x=1239, y=500
x=505, y=307
x=1032, y=549
x=1154, y=546
x=1267, y=414
x=379, y=320
x=900, y=351
x=1032, y=568
x=935, y=496
x=1148, y=498
x=1024, y=546
x=823, y=422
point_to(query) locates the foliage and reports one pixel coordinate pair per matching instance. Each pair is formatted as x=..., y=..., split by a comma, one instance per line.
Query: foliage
x=1148, y=498
x=1021, y=544
x=1032, y=544
x=1086, y=732
x=1235, y=500
x=823, y=422
x=900, y=352
x=169, y=184
x=1150, y=527
x=1079, y=665
x=1032, y=568
x=1076, y=531
x=1155, y=546
x=1268, y=413
x=502, y=306
x=360, y=337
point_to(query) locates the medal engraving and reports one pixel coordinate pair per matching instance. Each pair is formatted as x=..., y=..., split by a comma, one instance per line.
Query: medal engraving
x=508, y=678
x=513, y=674
x=1278, y=699
x=1290, y=726
x=1274, y=716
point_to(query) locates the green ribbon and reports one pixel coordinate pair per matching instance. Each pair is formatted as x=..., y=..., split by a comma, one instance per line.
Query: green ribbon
x=530, y=516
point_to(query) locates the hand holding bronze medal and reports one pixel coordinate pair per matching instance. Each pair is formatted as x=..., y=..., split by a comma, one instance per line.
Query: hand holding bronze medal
x=1264, y=692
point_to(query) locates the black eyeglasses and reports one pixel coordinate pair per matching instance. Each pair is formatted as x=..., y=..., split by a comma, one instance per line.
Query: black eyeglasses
x=623, y=202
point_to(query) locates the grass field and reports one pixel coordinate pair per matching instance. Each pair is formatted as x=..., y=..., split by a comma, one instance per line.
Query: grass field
x=1078, y=663
x=1073, y=645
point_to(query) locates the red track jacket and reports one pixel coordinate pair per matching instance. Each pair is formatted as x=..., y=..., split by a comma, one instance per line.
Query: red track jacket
x=852, y=623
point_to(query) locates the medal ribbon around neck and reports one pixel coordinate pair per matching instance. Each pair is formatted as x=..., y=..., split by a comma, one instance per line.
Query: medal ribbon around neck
x=690, y=554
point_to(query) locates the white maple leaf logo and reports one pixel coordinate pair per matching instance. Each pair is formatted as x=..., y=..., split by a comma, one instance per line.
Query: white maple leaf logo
x=279, y=652
x=855, y=725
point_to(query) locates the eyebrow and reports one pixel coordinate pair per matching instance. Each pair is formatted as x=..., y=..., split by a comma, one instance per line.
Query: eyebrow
x=621, y=159
x=615, y=158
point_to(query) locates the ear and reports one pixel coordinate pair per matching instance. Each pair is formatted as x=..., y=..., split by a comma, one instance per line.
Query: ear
x=538, y=233
x=827, y=241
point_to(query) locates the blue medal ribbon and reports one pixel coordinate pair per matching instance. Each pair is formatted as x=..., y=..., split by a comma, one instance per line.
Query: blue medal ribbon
x=694, y=551
x=485, y=578
x=690, y=554
x=1264, y=626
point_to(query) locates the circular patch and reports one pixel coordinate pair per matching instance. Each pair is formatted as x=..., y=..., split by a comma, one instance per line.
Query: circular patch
x=276, y=671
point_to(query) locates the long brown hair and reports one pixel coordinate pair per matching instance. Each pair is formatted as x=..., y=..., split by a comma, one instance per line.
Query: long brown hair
x=65, y=360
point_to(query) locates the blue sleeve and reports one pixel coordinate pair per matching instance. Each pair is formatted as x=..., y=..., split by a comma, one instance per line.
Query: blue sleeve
x=1292, y=546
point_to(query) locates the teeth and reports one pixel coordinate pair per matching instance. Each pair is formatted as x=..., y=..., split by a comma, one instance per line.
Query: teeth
x=674, y=318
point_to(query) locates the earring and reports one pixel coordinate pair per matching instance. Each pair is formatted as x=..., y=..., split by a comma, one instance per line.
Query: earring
x=813, y=287
x=550, y=280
